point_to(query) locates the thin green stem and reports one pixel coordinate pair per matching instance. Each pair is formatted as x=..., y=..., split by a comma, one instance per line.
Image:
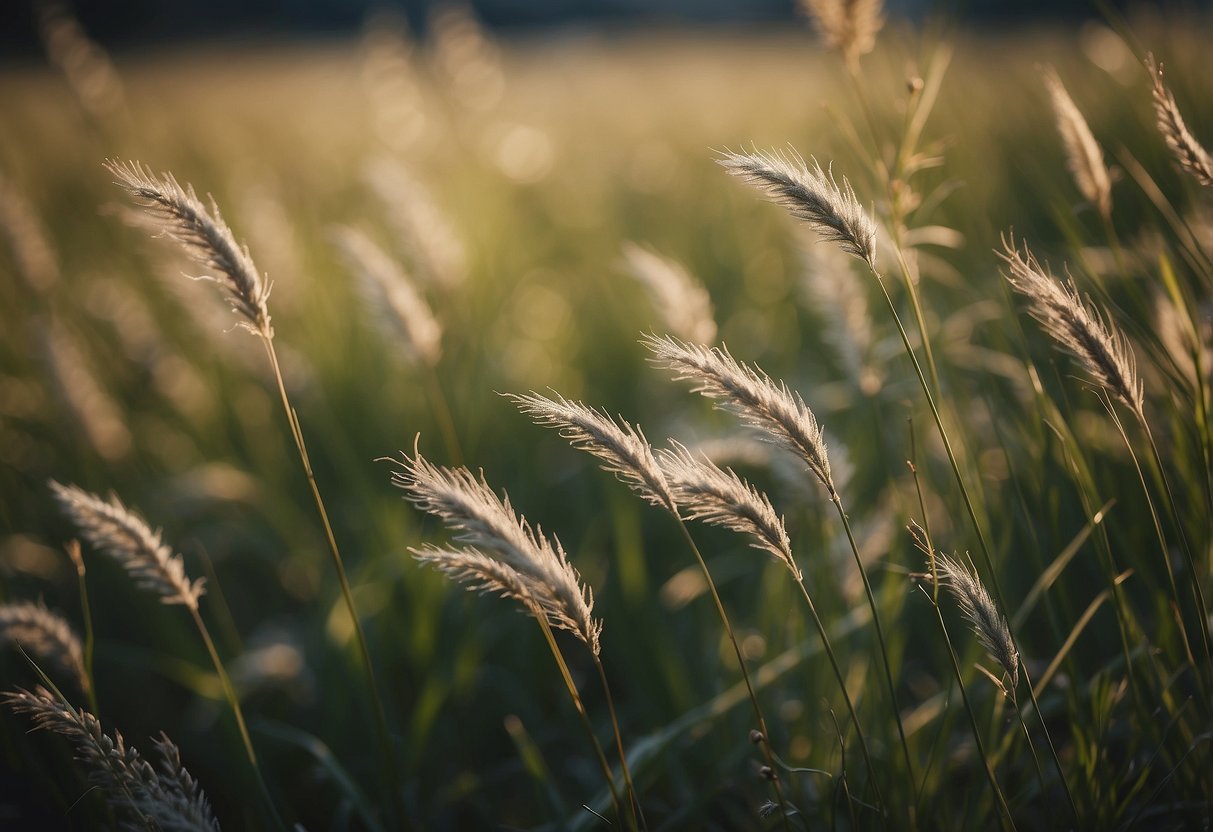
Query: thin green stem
x=230, y=693
x=1004, y=814
x=637, y=812
x=745, y=673
x=1201, y=608
x=884, y=650
x=1061, y=774
x=383, y=736
x=846, y=696
x=442, y=414
x=90, y=638
x=575, y=695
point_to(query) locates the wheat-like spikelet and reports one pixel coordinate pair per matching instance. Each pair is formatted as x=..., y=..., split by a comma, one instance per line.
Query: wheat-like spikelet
x=772, y=408
x=623, y=448
x=423, y=230
x=809, y=194
x=168, y=799
x=31, y=249
x=682, y=302
x=1077, y=326
x=488, y=524
x=849, y=26
x=122, y=534
x=72, y=378
x=983, y=614
x=45, y=634
x=205, y=236
x=719, y=497
x=387, y=287
x=87, y=69
x=1188, y=152
x=483, y=573
x=1084, y=157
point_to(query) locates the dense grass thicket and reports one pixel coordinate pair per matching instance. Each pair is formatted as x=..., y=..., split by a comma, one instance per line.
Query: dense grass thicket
x=441, y=223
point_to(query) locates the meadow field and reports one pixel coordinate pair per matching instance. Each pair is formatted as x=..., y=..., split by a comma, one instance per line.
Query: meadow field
x=927, y=547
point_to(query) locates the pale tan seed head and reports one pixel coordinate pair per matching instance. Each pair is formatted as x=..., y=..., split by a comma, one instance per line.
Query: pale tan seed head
x=623, y=448
x=1077, y=326
x=112, y=528
x=488, y=525
x=780, y=415
x=681, y=301
x=848, y=26
x=719, y=497
x=46, y=635
x=205, y=237
x=142, y=796
x=1188, y=152
x=1084, y=157
x=810, y=194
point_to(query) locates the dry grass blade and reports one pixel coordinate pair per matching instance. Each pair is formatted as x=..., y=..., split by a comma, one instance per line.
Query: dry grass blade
x=810, y=194
x=387, y=287
x=1188, y=152
x=983, y=614
x=772, y=408
x=168, y=799
x=682, y=301
x=489, y=524
x=719, y=497
x=849, y=26
x=1084, y=157
x=1074, y=324
x=623, y=448
x=206, y=237
x=45, y=634
x=126, y=537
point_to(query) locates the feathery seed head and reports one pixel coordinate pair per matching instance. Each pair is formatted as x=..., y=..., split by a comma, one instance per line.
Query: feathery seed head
x=1084, y=157
x=622, y=447
x=682, y=302
x=983, y=614
x=489, y=526
x=386, y=286
x=721, y=498
x=810, y=194
x=166, y=799
x=1077, y=327
x=112, y=528
x=780, y=415
x=849, y=26
x=46, y=634
x=1188, y=152
x=205, y=237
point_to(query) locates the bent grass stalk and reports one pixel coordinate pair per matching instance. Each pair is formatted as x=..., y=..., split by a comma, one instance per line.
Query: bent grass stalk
x=787, y=421
x=626, y=453
x=112, y=528
x=86, y=612
x=208, y=240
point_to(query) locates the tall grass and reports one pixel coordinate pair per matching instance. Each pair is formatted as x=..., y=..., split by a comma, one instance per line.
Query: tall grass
x=442, y=221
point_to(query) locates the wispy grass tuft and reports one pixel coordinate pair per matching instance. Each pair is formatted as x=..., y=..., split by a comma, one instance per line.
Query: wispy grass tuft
x=1189, y=154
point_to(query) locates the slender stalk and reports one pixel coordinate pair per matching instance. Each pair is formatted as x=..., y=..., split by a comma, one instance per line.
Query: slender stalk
x=943, y=435
x=86, y=612
x=550, y=637
x=884, y=650
x=1004, y=815
x=745, y=673
x=234, y=702
x=442, y=414
x=846, y=696
x=1061, y=775
x=388, y=759
x=637, y=812
x=1195, y=573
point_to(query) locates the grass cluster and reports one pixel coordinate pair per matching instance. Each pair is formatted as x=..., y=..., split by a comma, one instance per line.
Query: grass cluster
x=927, y=545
